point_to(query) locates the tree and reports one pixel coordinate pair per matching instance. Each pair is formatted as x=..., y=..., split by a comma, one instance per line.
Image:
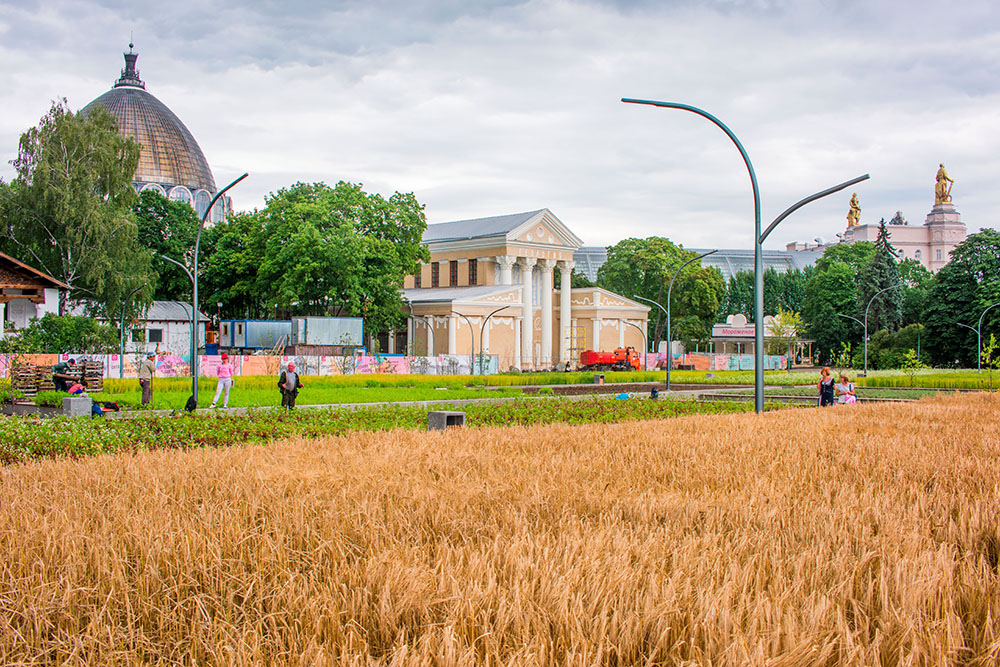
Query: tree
x=68, y=210
x=317, y=250
x=880, y=287
x=168, y=228
x=960, y=292
x=916, y=280
x=54, y=334
x=644, y=267
x=856, y=255
x=828, y=293
x=783, y=332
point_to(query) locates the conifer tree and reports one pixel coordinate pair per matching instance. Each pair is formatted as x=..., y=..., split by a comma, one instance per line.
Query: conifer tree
x=886, y=311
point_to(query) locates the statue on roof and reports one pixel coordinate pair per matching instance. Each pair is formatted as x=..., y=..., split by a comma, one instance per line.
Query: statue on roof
x=942, y=189
x=898, y=219
x=854, y=213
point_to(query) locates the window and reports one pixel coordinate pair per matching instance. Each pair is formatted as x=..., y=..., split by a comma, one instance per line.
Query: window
x=225, y=329
x=916, y=254
x=239, y=329
x=156, y=335
x=938, y=256
x=453, y=273
x=473, y=271
x=435, y=274
x=138, y=335
x=417, y=278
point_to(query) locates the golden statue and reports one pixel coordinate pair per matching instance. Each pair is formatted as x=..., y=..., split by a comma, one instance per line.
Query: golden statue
x=854, y=214
x=942, y=190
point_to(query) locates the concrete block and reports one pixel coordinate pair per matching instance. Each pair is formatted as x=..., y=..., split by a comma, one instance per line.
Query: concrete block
x=598, y=378
x=76, y=406
x=439, y=420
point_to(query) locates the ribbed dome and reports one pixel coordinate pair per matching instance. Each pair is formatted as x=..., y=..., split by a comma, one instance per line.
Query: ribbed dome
x=170, y=156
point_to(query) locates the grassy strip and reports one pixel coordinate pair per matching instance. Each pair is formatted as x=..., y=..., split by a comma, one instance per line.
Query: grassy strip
x=868, y=392
x=54, y=438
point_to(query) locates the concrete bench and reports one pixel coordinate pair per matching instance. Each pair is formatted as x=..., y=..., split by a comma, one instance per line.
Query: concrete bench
x=439, y=420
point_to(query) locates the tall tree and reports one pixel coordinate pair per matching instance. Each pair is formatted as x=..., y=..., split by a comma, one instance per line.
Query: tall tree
x=644, y=267
x=880, y=286
x=830, y=293
x=68, y=210
x=960, y=292
x=235, y=252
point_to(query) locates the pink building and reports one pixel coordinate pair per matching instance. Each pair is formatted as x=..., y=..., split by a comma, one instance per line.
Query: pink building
x=930, y=244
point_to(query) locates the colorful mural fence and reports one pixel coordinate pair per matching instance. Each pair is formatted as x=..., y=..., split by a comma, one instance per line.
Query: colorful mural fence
x=170, y=365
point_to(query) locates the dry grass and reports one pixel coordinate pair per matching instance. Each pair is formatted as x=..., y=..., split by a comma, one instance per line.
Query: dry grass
x=860, y=536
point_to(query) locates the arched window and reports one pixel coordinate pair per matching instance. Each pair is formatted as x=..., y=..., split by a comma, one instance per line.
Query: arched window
x=916, y=254
x=156, y=187
x=201, y=201
x=180, y=193
x=219, y=211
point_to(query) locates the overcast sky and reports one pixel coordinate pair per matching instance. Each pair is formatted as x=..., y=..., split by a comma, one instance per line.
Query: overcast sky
x=494, y=107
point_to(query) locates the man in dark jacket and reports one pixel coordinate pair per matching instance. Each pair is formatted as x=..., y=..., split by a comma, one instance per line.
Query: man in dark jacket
x=64, y=374
x=289, y=384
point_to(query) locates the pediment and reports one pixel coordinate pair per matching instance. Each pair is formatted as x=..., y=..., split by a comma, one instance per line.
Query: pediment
x=545, y=229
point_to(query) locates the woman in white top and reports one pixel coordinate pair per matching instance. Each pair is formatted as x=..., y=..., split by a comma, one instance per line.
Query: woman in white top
x=845, y=390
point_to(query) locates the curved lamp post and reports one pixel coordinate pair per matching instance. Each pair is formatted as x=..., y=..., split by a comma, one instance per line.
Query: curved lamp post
x=979, y=336
x=430, y=332
x=870, y=301
x=670, y=337
x=758, y=237
x=472, y=334
x=482, y=330
x=645, y=341
x=194, y=298
x=121, y=356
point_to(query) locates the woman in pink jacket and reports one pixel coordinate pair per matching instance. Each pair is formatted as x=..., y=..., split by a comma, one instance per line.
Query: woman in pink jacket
x=225, y=382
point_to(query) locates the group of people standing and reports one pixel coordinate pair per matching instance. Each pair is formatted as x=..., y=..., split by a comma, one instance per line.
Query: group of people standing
x=840, y=392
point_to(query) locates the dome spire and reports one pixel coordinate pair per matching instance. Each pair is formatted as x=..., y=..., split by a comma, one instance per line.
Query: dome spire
x=130, y=75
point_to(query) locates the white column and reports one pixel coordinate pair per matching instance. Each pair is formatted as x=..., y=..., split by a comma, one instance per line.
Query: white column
x=391, y=343
x=517, y=342
x=565, y=316
x=596, y=344
x=506, y=263
x=546, y=266
x=3, y=321
x=621, y=332
x=528, y=320
x=484, y=344
x=452, y=334
x=412, y=351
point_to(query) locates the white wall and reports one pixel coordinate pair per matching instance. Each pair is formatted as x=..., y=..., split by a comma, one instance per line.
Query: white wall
x=176, y=338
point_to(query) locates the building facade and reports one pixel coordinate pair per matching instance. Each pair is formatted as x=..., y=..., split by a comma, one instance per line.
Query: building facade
x=25, y=294
x=490, y=289
x=170, y=160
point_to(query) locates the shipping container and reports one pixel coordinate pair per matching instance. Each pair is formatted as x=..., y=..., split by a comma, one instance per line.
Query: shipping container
x=327, y=330
x=254, y=334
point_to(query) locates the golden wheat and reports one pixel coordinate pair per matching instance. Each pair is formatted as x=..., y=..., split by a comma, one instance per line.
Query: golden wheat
x=847, y=536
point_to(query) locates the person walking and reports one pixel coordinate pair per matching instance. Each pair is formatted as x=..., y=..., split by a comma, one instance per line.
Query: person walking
x=845, y=390
x=825, y=387
x=289, y=384
x=225, y=374
x=147, y=368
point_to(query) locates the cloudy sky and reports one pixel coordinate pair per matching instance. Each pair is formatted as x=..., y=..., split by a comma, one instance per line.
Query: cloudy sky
x=491, y=107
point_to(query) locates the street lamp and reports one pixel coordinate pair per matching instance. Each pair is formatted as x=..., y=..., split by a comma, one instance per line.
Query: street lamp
x=979, y=336
x=642, y=298
x=482, y=331
x=430, y=333
x=472, y=335
x=670, y=338
x=121, y=356
x=645, y=342
x=870, y=301
x=194, y=324
x=758, y=237
x=194, y=298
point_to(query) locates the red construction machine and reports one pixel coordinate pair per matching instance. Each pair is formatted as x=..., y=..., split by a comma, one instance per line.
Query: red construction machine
x=622, y=359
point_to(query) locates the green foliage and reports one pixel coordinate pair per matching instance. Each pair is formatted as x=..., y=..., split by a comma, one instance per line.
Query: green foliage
x=856, y=255
x=880, y=287
x=27, y=439
x=49, y=399
x=912, y=364
x=990, y=357
x=960, y=292
x=645, y=267
x=783, y=332
x=53, y=334
x=830, y=292
x=169, y=228
x=8, y=393
x=68, y=211
x=317, y=250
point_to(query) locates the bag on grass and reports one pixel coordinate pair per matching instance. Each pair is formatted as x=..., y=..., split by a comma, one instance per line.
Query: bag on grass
x=191, y=404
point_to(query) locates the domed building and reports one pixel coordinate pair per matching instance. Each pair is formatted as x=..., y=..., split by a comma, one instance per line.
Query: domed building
x=170, y=160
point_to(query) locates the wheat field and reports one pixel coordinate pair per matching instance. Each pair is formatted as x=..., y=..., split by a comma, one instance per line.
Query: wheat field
x=864, y=535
